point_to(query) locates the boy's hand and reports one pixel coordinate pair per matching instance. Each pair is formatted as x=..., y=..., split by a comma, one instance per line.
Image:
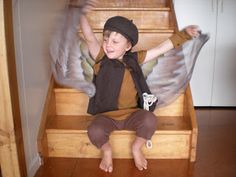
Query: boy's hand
x=88, y=6
x=193, y=30
x=84, y=5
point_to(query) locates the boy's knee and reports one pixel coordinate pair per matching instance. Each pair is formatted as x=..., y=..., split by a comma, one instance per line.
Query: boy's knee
x=95, y=132
x=97, y=136
x=150, y=121
x=148, y=125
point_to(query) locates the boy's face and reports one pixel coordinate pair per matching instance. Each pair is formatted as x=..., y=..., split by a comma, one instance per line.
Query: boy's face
x=115, y=45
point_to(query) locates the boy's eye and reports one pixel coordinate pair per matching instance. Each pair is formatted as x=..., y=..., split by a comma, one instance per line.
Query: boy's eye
x=115, y=42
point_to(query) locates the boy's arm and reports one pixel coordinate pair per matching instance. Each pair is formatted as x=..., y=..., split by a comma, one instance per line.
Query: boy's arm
x=89, y=36
x=173, y=42
x=158, y=50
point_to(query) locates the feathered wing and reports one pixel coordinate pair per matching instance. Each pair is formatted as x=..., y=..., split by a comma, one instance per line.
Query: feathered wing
x=172, y=73
x=70, y=65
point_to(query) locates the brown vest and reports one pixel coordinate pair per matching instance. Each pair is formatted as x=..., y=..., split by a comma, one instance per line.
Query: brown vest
x=108, y=83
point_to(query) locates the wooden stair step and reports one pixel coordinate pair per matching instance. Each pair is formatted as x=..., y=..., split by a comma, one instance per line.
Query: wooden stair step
x=151, y=19
x=166, y=124
x=73, y=102
x=157, y=31
x=133, y=4
x=147, y=38
x=150, y=14
x=67, y=137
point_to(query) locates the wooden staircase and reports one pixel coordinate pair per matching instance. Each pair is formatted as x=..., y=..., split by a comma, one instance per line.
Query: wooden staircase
x=63, y=131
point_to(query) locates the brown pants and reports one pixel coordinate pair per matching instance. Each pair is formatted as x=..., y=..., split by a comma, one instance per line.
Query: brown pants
x=141, y=121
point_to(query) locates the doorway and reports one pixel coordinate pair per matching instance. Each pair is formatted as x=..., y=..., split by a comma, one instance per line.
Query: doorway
x=12, y=157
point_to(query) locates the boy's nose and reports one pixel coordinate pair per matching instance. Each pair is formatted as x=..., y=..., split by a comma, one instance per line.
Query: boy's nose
x=108, y=43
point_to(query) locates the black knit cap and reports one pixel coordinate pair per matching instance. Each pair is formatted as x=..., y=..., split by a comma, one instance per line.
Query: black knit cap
x=123, y=26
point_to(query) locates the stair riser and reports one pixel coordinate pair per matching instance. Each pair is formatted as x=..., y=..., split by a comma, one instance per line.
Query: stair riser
x=75, y=103
x=133, y=4
x=146, y=40
x=174, y=146
x=143, y=19
x=71, y=103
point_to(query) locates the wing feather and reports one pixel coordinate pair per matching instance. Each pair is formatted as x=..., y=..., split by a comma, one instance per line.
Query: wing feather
x=68, y=63
x=171, y=75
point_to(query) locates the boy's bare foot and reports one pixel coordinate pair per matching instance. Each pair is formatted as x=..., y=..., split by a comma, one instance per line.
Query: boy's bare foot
x=106, y=163
x=139, y=159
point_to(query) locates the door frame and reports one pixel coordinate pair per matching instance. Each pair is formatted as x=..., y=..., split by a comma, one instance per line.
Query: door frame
x=12, y=156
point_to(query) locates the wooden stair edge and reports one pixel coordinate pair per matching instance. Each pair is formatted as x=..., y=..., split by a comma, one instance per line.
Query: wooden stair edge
x=132, y=9
x=79, y=106
x=120, y=132
x=79, y=124
x=173, y=19
x=192, y=115
x=161, y=30
x=142, y=19
x=123, y=4
x=77, y=144
x=66, y=89
x=48, y=109
x=188, y=104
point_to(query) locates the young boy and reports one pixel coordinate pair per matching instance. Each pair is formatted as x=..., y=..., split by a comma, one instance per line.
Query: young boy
x=120, y=84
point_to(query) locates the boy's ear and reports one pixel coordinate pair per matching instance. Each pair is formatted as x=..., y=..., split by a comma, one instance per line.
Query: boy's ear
x=129, y=46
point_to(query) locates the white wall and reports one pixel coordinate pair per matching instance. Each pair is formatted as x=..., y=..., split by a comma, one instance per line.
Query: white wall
x=200, y=12
x=33, y=24
x=213, y=82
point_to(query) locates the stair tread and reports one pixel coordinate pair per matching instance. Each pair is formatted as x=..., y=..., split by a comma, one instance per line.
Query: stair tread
x=79, y=124
x=161, y=30
x=142, y=19
x=74, y=102
x=134, y=8
x=132, y=4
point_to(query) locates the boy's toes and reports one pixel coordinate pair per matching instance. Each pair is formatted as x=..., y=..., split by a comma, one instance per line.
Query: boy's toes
x=110, y=169
x=102, y=167
x=106, y=168
x=145, y=164
x=140, y=168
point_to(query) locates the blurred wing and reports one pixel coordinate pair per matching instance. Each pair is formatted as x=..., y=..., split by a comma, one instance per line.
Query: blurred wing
x=87, y=62
x=148, y=67
x=171, y=75
x=69, y=63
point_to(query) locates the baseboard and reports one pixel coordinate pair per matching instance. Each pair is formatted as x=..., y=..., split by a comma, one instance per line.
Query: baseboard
x=34, y=166
x=49, y=109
